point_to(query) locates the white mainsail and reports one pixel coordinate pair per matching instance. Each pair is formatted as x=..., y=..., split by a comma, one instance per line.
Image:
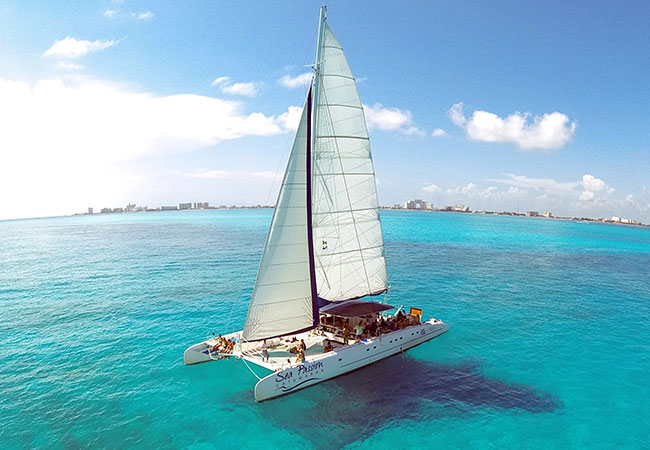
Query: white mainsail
x=325, y=238
x=348, y=242
x=282, y=297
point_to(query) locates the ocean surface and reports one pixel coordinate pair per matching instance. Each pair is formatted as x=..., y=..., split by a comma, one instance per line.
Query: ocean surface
x=549, y=346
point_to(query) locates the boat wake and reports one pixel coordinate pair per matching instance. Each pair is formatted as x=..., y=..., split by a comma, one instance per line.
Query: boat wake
x=353, y=407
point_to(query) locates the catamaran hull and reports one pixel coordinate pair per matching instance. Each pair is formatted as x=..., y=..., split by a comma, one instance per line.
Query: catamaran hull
x=345, y=359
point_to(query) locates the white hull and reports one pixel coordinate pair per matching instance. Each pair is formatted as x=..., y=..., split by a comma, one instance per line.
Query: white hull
x=345, y=359
x=200, y=353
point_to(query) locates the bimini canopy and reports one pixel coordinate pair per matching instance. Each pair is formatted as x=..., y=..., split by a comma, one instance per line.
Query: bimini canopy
x=354, y=308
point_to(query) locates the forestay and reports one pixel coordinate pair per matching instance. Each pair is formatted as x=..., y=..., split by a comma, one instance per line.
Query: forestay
x=348, y=241
x=282, y=297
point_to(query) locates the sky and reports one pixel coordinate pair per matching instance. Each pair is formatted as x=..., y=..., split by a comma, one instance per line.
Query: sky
x=495, y=105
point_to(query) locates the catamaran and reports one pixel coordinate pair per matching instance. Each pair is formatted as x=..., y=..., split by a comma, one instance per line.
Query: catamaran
x=313, y=314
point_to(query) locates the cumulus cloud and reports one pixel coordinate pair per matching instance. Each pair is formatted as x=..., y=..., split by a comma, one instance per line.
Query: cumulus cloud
x=291, y=118
x=246, y=89
x=591, y=183
x=295, y=82
x=226, y=85
x=431, y=189
x=390, y=119
x=587, y=196
x=110, y=13
x=548, y=131
x=469, y=188
x=71, y=48
x=471, y=191
x=439, y=132
x=70, y=137
x=383, y=118
x=592, y=186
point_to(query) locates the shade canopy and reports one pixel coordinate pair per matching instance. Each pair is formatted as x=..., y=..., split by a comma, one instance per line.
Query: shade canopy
x=354, y=308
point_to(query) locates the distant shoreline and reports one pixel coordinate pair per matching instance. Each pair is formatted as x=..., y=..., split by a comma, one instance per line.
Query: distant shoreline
x=509, y=213
x=218, y=208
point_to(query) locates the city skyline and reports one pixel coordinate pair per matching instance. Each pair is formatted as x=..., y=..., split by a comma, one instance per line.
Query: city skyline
x=543, y=106
x=409, y=205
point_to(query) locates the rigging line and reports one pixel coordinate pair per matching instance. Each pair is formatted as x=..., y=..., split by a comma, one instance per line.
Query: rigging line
x=249, y=368
x=347, y=192
x=285, y=146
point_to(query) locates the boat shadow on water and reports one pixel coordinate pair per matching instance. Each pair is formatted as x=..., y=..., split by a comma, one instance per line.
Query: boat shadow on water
x=353, y=407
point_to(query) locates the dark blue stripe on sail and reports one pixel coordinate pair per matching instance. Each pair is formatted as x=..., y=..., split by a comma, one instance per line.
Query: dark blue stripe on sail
x=310, y=237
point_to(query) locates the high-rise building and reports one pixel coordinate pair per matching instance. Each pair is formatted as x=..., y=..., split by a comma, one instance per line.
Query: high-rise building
x=90, y=210
x=185, y=206
x=418, y=204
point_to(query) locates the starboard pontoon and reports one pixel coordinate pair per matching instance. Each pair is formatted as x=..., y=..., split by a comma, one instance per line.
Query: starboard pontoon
x=323, y=261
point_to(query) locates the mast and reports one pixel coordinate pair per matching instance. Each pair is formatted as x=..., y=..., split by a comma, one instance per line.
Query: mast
x=317, y=63
x=312, y=113
x=310, y=235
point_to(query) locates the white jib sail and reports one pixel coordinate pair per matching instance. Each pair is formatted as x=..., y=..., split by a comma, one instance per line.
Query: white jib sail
x=282, y=299
x=348, y=241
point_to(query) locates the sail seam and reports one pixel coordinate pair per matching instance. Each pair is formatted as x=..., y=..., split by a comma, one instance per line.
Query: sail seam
x=343, y=105
x=343, y=137
x=360, y=249
x=347, y=174
x=345, y=210
x=277, y=303
x=337, y=76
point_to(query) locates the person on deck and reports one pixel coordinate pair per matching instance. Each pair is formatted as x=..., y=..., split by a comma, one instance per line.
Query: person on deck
x=359, y=330
x=327, y=347
x=346, y=332
x=302, y=346
x=300, y=357
x=265, y=352
x=372, y=329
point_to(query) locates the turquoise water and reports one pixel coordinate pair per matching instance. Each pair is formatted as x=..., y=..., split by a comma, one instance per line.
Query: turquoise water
x=549, y=344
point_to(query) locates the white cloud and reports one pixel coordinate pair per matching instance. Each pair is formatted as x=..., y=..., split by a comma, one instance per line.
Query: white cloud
x=391, y=119
x=228, y=87
x=469, y=188
x=221, y=80
x=592, y=188
x=587, y=196
x=377, y=116
x=290, y=119
x=111, y=13
x=69, y=65
x=439, y=132
x=62, y=143
x=71, y=48
x=471, y=191
x=297, y=81
x=142, y=16
x=593, y=185
x=542, y=184
x=246, y=89
x=431, y=189
x=546, y=132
